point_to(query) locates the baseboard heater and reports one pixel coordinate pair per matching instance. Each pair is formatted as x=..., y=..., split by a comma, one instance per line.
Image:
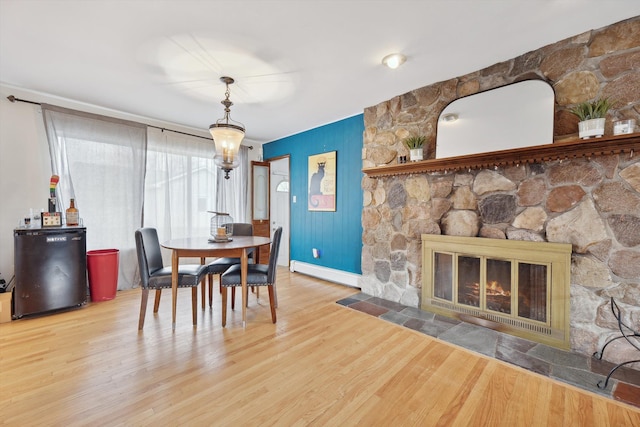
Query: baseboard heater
x=329, y=274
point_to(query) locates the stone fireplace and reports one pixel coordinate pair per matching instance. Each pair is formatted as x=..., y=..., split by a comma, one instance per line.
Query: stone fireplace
x=517, y=287
x=591, y=202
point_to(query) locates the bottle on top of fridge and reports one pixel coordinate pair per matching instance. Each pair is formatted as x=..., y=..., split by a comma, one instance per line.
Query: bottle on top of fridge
x=73, y=216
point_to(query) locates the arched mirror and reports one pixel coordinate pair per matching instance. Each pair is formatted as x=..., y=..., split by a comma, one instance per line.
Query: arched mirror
x=513, y=116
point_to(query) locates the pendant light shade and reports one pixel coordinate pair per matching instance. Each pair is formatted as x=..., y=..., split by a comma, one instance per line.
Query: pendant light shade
x=227, y=136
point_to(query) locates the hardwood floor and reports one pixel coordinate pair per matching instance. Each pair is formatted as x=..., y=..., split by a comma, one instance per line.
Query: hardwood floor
x=321, y=364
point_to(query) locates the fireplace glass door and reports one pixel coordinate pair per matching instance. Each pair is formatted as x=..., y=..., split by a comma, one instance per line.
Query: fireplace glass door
x=498, y=286
x=469, y=281
x=532, y=291
x=443, y=275
x=504, y=287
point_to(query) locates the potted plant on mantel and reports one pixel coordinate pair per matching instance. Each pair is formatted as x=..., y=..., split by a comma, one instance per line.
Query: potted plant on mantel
x=592, y=117
x=414, y=144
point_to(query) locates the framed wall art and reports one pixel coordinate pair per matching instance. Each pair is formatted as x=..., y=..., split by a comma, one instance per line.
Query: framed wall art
x=322, y=182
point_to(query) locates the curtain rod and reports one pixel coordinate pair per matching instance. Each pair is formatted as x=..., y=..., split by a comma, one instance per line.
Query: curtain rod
x=14, y=99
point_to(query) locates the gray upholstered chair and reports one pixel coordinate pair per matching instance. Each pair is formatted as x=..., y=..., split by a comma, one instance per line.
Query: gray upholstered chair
x=154, y=275
x=221, y=265
x=257, y=275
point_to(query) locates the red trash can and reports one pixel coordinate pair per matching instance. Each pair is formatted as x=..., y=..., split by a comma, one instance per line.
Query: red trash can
x=102, y=266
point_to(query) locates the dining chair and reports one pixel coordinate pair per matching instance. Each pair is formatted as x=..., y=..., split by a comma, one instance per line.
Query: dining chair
x=221, y=265
x=154, y=275
x=257, y=275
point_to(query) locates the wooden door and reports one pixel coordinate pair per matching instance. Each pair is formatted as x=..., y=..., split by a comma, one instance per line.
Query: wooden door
x=260, y=175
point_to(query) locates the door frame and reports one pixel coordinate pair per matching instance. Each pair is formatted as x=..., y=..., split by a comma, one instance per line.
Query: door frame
x=286, y=228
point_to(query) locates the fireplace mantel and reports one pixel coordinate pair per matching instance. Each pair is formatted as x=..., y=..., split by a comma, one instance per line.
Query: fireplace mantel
x=519, y=156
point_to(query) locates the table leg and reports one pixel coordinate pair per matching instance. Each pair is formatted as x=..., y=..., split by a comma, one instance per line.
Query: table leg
x=174, y=286
x=203, y=285
x=244, y=265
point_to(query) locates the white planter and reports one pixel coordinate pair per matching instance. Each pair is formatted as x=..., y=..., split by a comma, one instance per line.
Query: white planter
x=589, y=128
x=416, y=154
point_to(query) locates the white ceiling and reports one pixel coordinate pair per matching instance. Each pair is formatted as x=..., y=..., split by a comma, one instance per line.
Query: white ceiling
x=298, y=64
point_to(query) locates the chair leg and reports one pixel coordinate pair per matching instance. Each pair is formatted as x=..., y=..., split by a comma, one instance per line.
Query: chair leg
x=233, y=297
x=272, y=303
x=156, y=303
x=143, y=307
x=275, y=294
x=204, y=290
x=194, y=304
x=224, y=305
x=210, y=282
x=204, y=282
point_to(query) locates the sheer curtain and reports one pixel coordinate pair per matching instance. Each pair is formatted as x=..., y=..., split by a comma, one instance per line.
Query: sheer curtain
x=101, y=164
x=233, y=193
x=180, y=185
x=183, y=185
x=124, y=175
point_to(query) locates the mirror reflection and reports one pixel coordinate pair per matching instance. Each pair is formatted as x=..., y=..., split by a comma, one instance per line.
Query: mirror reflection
x=513, y=116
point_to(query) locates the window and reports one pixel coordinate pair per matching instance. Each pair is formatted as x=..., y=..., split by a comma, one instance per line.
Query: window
x=124, y=175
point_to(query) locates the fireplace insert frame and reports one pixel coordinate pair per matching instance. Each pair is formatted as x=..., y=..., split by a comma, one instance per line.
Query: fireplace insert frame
x=553, y=331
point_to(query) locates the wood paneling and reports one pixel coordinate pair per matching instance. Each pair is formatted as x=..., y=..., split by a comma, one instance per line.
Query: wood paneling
x=337, y=234
x=321, y=364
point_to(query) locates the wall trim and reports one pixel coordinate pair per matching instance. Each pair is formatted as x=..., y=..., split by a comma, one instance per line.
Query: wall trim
x=325, y=273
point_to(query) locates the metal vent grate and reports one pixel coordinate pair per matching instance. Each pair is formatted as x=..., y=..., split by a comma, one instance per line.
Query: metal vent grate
x=477, y=313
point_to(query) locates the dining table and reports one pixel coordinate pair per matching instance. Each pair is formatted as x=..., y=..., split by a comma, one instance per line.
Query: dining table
x=204, y=247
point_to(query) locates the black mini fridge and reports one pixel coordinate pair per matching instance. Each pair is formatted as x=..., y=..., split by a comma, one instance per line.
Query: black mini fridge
x=50, y=269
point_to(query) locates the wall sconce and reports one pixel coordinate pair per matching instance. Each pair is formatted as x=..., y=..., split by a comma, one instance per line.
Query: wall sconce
x=227, y=136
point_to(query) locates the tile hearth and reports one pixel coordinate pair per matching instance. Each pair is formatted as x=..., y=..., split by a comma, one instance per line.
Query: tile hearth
x=572, y=368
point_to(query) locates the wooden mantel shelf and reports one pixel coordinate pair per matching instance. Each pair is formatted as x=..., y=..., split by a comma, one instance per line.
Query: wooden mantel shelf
x=518, y=156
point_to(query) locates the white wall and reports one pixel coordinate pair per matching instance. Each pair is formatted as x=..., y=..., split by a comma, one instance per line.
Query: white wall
x=25, y=170
x=25, y=166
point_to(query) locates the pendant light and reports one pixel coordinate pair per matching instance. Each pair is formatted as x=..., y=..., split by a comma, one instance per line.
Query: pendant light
x=227, y=135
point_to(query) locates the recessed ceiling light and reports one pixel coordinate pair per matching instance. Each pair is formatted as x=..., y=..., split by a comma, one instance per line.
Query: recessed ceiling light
x=394, y=60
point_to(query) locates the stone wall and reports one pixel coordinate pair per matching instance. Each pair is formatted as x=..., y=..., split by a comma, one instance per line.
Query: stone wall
x=592, y=203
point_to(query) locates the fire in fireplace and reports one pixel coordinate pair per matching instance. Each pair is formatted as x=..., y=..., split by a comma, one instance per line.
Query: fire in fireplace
x=522, y=285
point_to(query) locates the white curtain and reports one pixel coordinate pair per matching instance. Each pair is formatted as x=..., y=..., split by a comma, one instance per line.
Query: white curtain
x=233, y=193
x=183, y=186
x=180, y=185
x=101, y=164
x=124, y=175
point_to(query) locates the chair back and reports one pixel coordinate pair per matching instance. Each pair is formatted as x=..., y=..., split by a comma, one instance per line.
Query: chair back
x=149, y=254
x=242, y=229
x=273, y=256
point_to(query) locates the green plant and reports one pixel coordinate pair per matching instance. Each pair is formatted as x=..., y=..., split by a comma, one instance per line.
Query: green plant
x=413, y=142
x=596, y=109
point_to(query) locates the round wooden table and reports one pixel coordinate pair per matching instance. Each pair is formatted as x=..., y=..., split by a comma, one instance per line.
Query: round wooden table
x=201, y=247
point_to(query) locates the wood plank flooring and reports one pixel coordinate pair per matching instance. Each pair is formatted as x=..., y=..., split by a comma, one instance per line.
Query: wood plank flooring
x=321, y=364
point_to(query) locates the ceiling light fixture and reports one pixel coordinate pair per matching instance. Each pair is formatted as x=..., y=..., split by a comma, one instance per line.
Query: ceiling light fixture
x=394, y=60
x=448, y=118
x=227, y=136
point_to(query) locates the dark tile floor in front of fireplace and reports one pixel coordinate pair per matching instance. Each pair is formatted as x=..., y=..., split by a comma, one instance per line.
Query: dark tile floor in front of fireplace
x=572, y=368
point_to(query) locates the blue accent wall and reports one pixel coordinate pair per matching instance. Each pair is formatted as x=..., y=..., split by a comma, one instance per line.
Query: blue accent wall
x=337, y=234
